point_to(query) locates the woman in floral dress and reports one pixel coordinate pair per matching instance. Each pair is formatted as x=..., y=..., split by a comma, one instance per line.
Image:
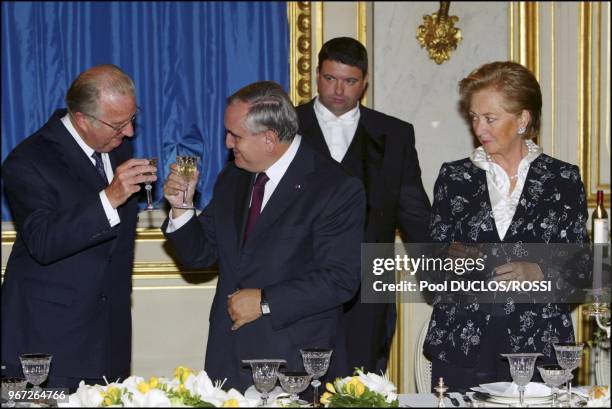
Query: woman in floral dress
x=506, y=192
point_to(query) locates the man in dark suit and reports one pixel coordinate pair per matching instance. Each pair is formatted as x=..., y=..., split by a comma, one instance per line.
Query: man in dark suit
x=68, y=280
x=378, y=149
x=285, y=226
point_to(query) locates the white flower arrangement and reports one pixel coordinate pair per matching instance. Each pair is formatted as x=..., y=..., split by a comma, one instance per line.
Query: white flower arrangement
x=361, y=390
x=185, y=389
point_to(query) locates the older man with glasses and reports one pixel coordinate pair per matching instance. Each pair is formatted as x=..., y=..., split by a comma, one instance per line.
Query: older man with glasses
x=71, y=186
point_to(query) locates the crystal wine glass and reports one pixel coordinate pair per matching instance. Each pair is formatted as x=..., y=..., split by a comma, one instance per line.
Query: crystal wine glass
x=149, y=186
x=36, y=368
x=11, y=385
x=186, y=166
x=553, y=376
x=294, y=383
x=569, y=355
x=521, y=370
x=316, y=363
x=264, y=375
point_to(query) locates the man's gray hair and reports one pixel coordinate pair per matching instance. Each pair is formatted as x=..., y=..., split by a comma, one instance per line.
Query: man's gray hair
x=269, y=109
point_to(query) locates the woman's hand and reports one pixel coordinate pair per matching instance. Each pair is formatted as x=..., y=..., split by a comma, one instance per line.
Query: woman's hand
x=518, y=271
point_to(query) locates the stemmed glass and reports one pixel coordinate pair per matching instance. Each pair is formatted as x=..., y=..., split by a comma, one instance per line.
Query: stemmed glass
x=264, y=375
x=149, y=187
x=294, y=383
x=35, y=368
x=186, y=166
x=12, y=385
x=568, y=357
x=553, y=376
x=316, y=363
x=521, y=370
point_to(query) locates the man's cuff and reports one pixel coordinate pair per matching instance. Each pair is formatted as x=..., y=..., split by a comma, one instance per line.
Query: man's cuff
x=112, y=215
x=175, y=224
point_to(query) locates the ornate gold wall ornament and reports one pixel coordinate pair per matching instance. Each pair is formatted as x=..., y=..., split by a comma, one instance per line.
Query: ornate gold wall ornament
x=300, y=44
x=438, y=34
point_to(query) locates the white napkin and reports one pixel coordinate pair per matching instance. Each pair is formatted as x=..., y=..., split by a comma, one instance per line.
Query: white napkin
x=510, y=389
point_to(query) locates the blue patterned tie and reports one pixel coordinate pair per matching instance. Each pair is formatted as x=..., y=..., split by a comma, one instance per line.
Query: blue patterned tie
x=100, y=166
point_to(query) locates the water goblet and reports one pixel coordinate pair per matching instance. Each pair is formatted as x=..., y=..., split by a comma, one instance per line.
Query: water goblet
x=9, y=387
x=316, y=363
x=36, y=368
x=294, y=383
x=569, y=355
x=521, y=370
x=553, y=376
x=186, y=167
x=264, y=375
x=149, y=186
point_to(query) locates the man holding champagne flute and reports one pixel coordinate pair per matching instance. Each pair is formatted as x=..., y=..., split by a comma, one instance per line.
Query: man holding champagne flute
x=284, y=226
x=71, y=187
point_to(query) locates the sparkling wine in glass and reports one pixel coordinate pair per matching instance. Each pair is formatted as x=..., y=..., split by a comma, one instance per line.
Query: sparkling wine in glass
x=553, y=376
x=521, y=370
x=35, y=368
x=569, y=355
x=149, y=186
x=316, y=363
x=264, y=375
x=186, y=167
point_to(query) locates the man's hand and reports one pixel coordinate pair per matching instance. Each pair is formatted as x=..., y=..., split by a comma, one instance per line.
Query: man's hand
x=244, y=306
x=518, y=271
x=128, y=177
x=176, y=186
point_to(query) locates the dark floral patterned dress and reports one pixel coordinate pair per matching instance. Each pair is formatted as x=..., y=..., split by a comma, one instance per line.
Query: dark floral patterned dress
x=464, y=340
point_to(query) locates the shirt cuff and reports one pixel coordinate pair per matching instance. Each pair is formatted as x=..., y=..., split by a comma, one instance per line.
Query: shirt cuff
x=175, y=224
x=111, y=213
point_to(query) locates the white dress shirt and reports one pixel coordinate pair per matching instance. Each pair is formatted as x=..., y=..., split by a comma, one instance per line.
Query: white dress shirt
x=275, y=173
x=111, y=213
x=498, y=183
x=338, y=131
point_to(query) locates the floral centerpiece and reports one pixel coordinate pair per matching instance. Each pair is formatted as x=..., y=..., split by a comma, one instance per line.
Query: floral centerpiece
x=361, y=390
x=185, y=389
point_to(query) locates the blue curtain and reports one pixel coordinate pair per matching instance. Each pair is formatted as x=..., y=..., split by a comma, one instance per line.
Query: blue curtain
x=184, y=57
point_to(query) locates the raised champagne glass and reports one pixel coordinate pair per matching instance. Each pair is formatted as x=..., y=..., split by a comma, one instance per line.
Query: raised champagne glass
x=149, y=186
x=186, y=167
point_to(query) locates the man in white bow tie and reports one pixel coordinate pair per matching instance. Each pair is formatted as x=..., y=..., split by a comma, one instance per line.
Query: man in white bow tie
x=379, y=149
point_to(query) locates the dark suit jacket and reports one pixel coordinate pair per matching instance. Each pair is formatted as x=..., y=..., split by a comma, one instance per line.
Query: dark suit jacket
x=383, y=156
x=304, y=250
x=551, y=209
x=68, y=279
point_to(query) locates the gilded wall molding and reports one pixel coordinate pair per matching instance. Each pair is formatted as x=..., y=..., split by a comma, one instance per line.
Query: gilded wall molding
x=300, y=48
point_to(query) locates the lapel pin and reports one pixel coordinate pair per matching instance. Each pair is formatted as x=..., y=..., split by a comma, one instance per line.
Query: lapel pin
x=298, y=186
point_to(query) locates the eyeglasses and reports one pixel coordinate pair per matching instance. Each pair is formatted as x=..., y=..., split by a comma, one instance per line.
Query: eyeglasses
x=116, y=128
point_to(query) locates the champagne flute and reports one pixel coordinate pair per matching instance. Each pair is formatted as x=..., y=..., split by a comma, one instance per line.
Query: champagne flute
x=186, y=167
x=149, y=187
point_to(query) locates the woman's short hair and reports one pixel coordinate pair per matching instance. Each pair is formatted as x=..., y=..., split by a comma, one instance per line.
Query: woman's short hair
x=518, y=86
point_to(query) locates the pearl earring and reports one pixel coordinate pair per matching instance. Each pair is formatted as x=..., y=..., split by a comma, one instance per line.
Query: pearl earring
x=521, y=130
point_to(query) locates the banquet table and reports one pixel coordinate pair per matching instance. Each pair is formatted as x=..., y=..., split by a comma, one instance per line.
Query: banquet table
x=428, y=400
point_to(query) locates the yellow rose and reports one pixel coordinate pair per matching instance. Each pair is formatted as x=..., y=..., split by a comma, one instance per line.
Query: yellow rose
x=355, y=386
x=231, y=403
x=182, y=373
x=330, y=387
x=107, y=401
x=325, y=398
x=144, y=387
x=153, y=382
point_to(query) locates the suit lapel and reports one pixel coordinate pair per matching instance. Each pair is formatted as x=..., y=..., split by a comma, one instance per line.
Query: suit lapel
x=293, y=183
x=242, y=195
x=311, y=130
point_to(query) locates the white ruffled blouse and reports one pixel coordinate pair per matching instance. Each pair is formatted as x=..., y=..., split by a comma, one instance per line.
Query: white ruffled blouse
x=498, y=182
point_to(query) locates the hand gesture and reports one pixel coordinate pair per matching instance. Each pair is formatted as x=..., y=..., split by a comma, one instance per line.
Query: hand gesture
x=518, y=271
x=177, y=189
x=128, y=177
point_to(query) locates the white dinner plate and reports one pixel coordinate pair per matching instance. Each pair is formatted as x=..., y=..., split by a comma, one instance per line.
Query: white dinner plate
x=252, y=393
x=510, y=389
x=486, y=397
